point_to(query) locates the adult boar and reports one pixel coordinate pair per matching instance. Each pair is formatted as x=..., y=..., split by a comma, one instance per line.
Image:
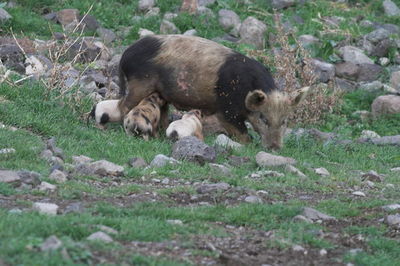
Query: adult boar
x=196, y=73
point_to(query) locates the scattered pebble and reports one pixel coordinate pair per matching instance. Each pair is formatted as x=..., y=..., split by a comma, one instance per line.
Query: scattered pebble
x=100, y=236
x=44, y=186
x=45, y=208
x=253, y=199
x=391, y=207
x=358, y=193
x=51, y=243
x=175, y=222
x=322, y=171
x=7, y=151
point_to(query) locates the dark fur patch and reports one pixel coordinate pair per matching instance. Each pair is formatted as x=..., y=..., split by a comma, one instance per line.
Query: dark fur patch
x=136, y=60
x=92, y=114
x=236, y=78
x=146, y=119
x=104, y=118
x=173, y=136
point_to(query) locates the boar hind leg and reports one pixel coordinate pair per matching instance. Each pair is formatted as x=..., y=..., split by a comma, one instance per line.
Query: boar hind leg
x=164, y=122
x=137, y=91
x=237, y=130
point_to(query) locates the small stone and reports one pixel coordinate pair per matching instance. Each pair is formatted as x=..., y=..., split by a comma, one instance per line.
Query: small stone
x=45, y=208
x=145, y=4
x=46, y=154
x=191, y=32
x=220, y=169
x=291, y=169
x=154, y=11
x=104, y=168
x=211, y=188
x=371, y=86
x=193, y=150
x=265, y=173
x=253, y=199
x=252, y=32
x=372, y=176
x=396, y=169
x=175, y=222
x=369, y=134
x=75, y=207
x=108, y=36
x=355, y=251
x=298, y=248
x=145, y=32
x=224, y=141
x=29, y=177
x=228, y=19
x=391, y=9
x=390, y=186
x=51, y=243
x=81, y=159
x=307, y=40
x=137, y=162
x=395, y=80
x=391, y=207
x=370, y=184
x=354, y=55
x=7, y=151
x=165, y=181
x=266, y=159
x=323, y=252
x=4, y=16
x=384, y=61
x=7, y=176
x=314, y=215
x=386, y=104
x=107, y=229
x=58, y=176
x=160, y=160
x=44, y=186
x=100, y=236
x=15, y=211
x=167, y=27
x=301, y=218
x=170, y=16
x=393, y=220
x=322, y=171
x=358, y=193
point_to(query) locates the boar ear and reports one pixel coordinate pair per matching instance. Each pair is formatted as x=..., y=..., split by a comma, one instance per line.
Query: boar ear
x=255, y=99
x=299, y=95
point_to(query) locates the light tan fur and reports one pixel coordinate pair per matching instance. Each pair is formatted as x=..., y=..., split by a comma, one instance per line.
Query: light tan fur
x=188, y=125
x=143, y=120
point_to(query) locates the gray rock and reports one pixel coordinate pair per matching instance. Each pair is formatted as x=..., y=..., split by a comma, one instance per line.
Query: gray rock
x=205, y=11
x=265, y=173
x=228, y=19
x=9, y=177
x=377, y=35
x=252, y=32
x=347, y=70
x=354, y=55
x=107, y=229
x=324, y=71
x=145, y=4
x=393, y=220
x=67, y=16
x=396, y=169
x=237, y=160
x=373, y=86
x=81, y=159
x=12, y=57
x=108, y=36
x=167, y=27
x=170, y=16
x=291, y=169
x=307, y=40
x=51, y=243
x=212, y=188
x=191, y=32
x=89, y=22
x=323, y=136
x=266, y=159
x=29, y=177
x=4, y=16
x=160, y=160
x=44, y=186
x=75, y=207
x=358, y=193
x=104, y=168
x=280, y=4
x=205, y=2
x=58, y=176
x=145, y=32
x=220, y=169
x=369, y=72
x=355, y=251
x=175, y=222
x=382, y=48
x=84, y=50
x=301, y=218
x=37, y=66
x=314, y=215
x=387, y=140
x=298, y=248
x=154, y=11
x=100, y=236
x=345, y=85
x=369, y=134
x=193, y=150
x=322, y=171
x=391, y=9
x=384, y=61
x=386, y=104
x=391, y=207
x=45, y=208
x=165, y=181
x=395, y=80
x=137, y=162
x=225, y=142
x=253, y=199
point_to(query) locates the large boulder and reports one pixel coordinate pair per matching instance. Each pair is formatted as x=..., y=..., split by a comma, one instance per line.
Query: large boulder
x=386, y=104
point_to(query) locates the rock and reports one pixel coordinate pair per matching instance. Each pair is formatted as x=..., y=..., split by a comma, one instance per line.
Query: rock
x=105, y=168
x=307, y=40
x=67, y=16
x=347, y=70
x=322, y=171
x=323, y=252
x=253, y=199
x=4, y=16
x=228, y=19
x=382, y=48
x=160, y=160
x=51, y=243
x=391, y=207
x=358, y=193
x=205, y=11
x=385, y=104
x=85, y=50
x=281, y=4
x=75, y=207
x=266, y=159
x=378, y=35
x=386, y=140
x=370, y=184
x=137, y=162
x=107, y=229
x=211, y=188
x=355, y=251
x=252, y=32
x=29, y=177
x=175, y=222
x=45, y=208
x=371, y=86
x=369, y=72
x=167, y=27
x=396, y=169
x=345, y=85
x=191, y=32
x=291, y=169
x=12, y=57
x=145, y=32
x=44, y=186
x=81, y=159
x=395, y=80
x=205, y=2
x=391, y=9
x=237, y=160
x=265, y=173
x=393, y=220
x=154, y=11
x=324, y=71
x=322, y=136
x=314, y=215
x=37, y=66
x=58, y=176
x=363, y=114
x=354, y=55
x=220, y=169
x=170, y=16
x=100, y=236
x=301, y=218
x=369, y=134
x=89, y=22
x=165, y=181
x=9, y=177
x=145, y=4
x=225, y=142
x=384, y=61
x=15, y=211
x=193, y=150
x=298, y=248
x=108, y=36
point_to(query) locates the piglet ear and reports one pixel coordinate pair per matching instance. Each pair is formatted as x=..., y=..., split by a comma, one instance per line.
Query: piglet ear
x=255, y=99
x=299, y=95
